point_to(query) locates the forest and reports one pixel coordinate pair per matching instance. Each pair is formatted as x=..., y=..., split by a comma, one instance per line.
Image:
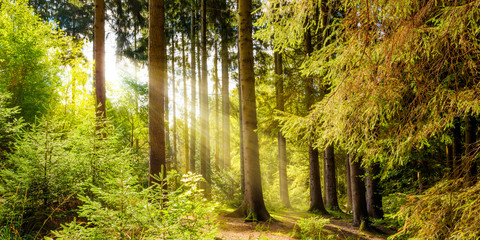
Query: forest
x=245, y=119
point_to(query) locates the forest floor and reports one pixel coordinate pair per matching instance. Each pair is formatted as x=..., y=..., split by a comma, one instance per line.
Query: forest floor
x=340, y=227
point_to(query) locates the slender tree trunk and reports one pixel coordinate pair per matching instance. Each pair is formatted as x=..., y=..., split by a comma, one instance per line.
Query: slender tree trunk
x=359, y=203
x=449, y=154
x=218, y=160
x=282, y=143
x=470, y=139
x=253, y=205
x=204, y=115
x=331, y=201
x=185, y=104
x=174, y=89
x=168, y=147
x=316, y=201
x=349, y=184
x=99, y=56
x=374, y=197
x=156, y=73
x=457, y=147
x=225, y=101
x=193, y=124
x=242, y=147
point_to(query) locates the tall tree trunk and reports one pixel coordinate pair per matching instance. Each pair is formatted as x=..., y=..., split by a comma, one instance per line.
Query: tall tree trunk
x=168, y=147
x=185, y=104
x=99, y=56
x=316, y=200
x=331, y=201
x=156, y=73
x=218, y=159
x=374, y=198
x=204, y=118
x=253, y=205
x=225, y=100
x=457, y=147
x=242, y=147
x=349, y=184
x=359, y=203
x=470, y=139
x=282, y=143
x=193, y=123
x=174, y=117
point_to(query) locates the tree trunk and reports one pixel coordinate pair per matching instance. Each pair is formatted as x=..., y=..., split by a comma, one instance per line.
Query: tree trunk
x=225, y=101
x=457, y=147
x=99, y=56
x=242, y=147
x=374, y=198
x=316, y=200
x=193, y=124
x=330, y=179
x=204, y=126
x=282, y=143
x=156, y=73
x=470, y=139
x=185, y=104
x=359, y=203
x=218, y=159
x=174, y=117
x=349, y=184
x=253, y=206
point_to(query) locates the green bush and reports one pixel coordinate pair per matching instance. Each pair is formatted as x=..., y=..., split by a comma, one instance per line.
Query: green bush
x=123, y=210
x=50, y=165
x=311, y=228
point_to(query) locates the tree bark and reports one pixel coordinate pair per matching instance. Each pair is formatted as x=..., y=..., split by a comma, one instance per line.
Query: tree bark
x=374, y=197
x=316, y=200
x=218, y=159
x=242, y=147
x=99, y=56
x=174, y=117
x=349, y=184
x=359, y=203
x=185, y=109
x=457, y=147
x=225, y=100
x=204, y=118
x=331, y=201
x=282, y=143
x=470, y=139
x=156, y=73
x=193, y=124
x=253, y=206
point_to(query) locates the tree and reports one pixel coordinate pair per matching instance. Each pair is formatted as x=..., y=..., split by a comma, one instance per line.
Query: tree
x=373, y=195
x=359, y=204
x=253, y=205
x=330, y=179
x=316, y=201
x=156, y=73
x=282, y=143
x=99, y=56
x=203, y=98
x=185, y=105
x=193, y=123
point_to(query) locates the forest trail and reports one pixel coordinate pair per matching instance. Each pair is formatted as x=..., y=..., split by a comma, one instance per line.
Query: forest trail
x=282, y=228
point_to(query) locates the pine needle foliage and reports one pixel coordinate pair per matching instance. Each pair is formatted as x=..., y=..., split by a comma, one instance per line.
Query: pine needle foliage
x=449, y=210
x=399, y=71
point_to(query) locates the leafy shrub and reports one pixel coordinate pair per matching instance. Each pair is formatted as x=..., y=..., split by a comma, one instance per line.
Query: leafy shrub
x=123, y=210
x=311, y=228
x=448, y=210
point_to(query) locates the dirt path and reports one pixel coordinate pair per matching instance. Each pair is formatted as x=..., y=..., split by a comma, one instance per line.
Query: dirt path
x=282, y=228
